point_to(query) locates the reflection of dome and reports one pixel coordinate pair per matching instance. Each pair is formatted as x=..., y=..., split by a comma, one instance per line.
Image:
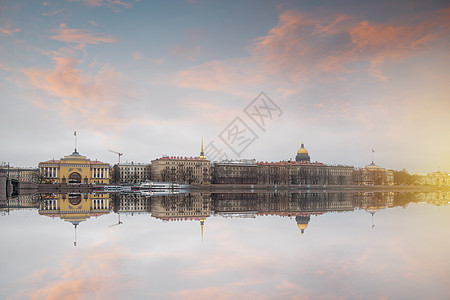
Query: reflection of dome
x=302, y=154
x=74, y=199
x=302, y=222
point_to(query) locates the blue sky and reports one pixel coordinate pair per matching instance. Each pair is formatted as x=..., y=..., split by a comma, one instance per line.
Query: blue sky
x=148, y=78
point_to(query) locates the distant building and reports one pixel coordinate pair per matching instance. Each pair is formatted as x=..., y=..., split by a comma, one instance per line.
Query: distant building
x=132, y=173
x=21, y=174
x=434, y=178
x=190, y=170
x=75, y=169
x=373, y=175
x=243, y=171
x=298, y=172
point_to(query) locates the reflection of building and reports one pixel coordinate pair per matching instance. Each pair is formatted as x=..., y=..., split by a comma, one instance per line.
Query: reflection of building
x=75, y=207
x=190, y=170
x=436, y=198
x=192, y=206
x=75, y=168
x=373, y=175
x=132, y=173
x=132, y=203
x=302, y=222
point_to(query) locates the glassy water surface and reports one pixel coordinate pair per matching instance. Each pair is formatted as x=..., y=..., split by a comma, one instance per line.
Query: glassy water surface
x=313, y=245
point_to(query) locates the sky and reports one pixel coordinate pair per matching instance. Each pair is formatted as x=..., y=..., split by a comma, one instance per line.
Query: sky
x=151, y=78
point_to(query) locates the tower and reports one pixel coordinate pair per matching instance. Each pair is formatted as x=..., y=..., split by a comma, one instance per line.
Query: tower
x=202, y=154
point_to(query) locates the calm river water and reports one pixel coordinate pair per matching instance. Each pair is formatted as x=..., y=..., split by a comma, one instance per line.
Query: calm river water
x=312, y=245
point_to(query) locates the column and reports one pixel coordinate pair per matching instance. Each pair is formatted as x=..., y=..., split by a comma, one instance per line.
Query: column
x=107, y=173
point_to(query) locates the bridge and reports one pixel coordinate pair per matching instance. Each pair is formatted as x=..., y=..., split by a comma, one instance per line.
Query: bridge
x=8, y=186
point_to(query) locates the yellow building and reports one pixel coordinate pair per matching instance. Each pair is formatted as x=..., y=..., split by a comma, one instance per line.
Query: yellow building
x=74, y=169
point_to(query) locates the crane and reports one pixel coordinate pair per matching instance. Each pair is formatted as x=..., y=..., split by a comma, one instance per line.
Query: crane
x=118, y=153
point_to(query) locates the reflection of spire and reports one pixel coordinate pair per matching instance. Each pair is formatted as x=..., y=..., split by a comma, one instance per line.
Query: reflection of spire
x=75, y=242
x=373, y=225
x=372, y=211
x=75, y=224
x=202, y=222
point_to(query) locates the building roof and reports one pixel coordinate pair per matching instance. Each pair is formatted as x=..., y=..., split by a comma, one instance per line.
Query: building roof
x=181, y=158
x=302, y=150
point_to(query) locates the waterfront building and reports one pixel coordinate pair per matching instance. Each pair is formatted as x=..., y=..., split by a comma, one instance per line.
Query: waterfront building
x=242, y=171
x=189, y=170
x=373, y=175
x=271, y=173
x=21, y=174
x=131, y=173
x=298, y=172
x=75, y=169
x=433, y=178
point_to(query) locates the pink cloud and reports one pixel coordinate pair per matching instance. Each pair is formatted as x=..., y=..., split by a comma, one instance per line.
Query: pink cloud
x=83, y=98
x=305, y=46
x=81, y=37
x=114, y=4
x=50, y=14
x=8, y=31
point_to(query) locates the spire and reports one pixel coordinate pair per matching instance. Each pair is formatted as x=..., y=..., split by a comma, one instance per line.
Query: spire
x=202, y=154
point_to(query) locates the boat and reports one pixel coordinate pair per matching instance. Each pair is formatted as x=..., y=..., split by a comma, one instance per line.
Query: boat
x=153, y=185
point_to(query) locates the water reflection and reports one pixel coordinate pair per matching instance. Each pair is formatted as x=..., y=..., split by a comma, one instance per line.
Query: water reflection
x=77, y=207
x=140, y=246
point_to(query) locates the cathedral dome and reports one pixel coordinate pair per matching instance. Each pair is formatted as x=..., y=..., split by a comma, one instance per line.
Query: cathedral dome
x=302, y=150
x=302, y=155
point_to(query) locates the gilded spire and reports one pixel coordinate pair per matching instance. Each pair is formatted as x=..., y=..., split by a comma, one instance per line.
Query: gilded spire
x=202, y=154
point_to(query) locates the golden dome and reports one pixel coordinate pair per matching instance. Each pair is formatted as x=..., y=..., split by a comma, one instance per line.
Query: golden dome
x=302, y=150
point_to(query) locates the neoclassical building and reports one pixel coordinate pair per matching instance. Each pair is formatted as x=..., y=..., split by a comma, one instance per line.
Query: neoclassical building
x=75, y=168
x=190, y=170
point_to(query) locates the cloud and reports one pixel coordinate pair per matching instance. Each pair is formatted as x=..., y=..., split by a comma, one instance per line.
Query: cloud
x=113, y=4
x=50, y=14
x=81, y=37
x=138, y=56
x=8, y=31
x=305, y=46
x=190, y=53
x=94, y=100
